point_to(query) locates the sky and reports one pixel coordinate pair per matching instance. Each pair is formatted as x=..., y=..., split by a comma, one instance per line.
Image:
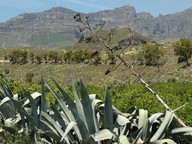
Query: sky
x=12, y=8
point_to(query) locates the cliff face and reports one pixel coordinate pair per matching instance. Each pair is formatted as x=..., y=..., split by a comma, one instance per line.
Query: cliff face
x=56, y=26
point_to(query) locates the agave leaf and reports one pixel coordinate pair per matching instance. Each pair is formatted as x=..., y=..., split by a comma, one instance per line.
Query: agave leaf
x=60, y=120
x=143, y=123
x=6, y=111
x=7, y=108
x=164, y=141
x=143, y=117
x=52, y=135
x=43, y=97
x=7, y=88
x=88, y=112
x=33, y=105
x=154, y=117
x=58, y=116
x=121, y=120
x=6, y=92
x=69, y=127
x=79, y=105
x=164, y=125
x=69, y=115
x=133, y=138
x=104, y=134
x=21, y=110
x=183, y=131
x=4, y=100
x=108, y=112
x=51, y=123
x=68, y=99
x=123, y=140
x=95, y=118
x=34, y=96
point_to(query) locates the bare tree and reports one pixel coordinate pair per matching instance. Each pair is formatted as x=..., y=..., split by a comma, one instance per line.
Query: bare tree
x=87, y=26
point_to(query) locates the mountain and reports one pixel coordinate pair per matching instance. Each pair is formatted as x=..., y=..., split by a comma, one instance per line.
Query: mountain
x=56, y=27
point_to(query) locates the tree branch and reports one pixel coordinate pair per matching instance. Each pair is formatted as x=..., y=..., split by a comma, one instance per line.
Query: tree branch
x=87, y=26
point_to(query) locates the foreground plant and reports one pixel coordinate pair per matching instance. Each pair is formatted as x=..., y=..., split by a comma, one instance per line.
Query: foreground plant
x=88, y=120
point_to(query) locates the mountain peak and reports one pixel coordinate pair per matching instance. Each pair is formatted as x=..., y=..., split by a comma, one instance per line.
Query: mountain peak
x=59, y=9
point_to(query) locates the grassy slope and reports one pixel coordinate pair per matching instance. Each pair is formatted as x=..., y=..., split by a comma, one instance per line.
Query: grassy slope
x=117, y=36
x=96, y=75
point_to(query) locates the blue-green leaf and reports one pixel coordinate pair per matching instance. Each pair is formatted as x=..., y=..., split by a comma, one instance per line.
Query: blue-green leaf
x=87, y=107
x=43, y=97
x=108, y=112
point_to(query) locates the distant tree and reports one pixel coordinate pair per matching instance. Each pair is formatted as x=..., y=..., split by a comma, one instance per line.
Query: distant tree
x=140, y=57
x=87, y=54
x=38, y=59
x=45, y=57
x=67, y=56
x=23, y=56
x=77, y=56
x=29, y=77
x=31, y=57
x=183, y=49
x=53, y=56
x=152, y=53
x=18, y=56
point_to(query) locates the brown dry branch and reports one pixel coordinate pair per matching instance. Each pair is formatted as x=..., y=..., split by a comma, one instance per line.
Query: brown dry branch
x=87, y=26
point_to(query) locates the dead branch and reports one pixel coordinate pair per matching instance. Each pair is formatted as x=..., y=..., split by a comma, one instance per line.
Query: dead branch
x=87, y=26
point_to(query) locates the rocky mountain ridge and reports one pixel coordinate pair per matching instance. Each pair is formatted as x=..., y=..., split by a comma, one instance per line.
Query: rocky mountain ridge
x=56, y=27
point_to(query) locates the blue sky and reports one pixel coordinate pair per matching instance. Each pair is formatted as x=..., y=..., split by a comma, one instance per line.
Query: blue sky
x=12, y=8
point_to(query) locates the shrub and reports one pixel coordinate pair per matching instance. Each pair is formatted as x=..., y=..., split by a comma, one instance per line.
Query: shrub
x=183, y=49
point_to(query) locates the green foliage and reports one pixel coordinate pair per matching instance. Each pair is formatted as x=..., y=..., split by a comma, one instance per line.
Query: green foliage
x=88, y=120
x=67, y=55
x=18, y=56
x=53, y=56
x=31, y=57
x=29, y=77
x=77, y=56
x=38, y=59
x=87, y=54
x=183, y=49
x=15, y=138
x=151, y=54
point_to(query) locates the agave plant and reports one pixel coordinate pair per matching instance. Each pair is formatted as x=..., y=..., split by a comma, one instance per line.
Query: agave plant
x=87, y=119
x=21, y=113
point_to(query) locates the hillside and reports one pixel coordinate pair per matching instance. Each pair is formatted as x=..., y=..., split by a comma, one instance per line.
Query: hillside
x=56, y=27
x=96, y=74
x=121, y=37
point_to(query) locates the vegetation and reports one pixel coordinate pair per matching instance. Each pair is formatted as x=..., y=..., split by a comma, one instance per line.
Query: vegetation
x=183, y=49
x=89, y=120
x=78, y=122
x=150, y=54
x=18, y=56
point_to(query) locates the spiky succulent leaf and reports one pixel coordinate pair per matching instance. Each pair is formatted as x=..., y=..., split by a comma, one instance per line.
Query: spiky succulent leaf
x=164, y=141
x=87, y=108
x=78, y=103
x=69, y=127
x=104, y=134
x=70, y=117
x=160, y=133
x=123, y=140
x=43, y=97
x=108, y=112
